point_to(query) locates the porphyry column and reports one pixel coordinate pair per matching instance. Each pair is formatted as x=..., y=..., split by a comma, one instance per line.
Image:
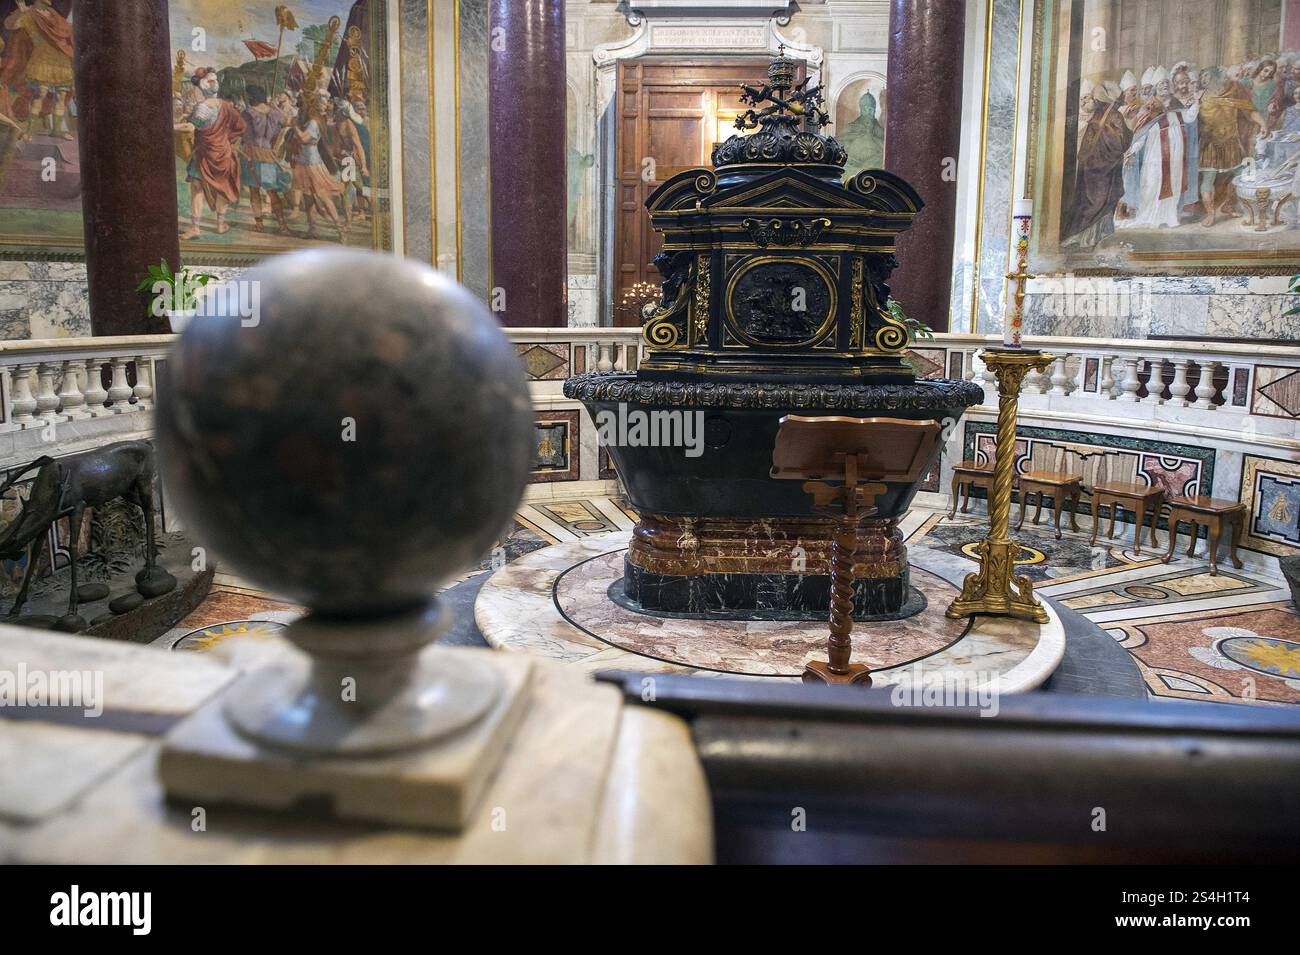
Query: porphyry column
x=123, y=71
x=922, y=141
x=529, y=189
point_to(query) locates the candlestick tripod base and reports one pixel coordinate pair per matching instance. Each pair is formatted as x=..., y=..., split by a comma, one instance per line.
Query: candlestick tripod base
x=819, y=671
x=996, y=589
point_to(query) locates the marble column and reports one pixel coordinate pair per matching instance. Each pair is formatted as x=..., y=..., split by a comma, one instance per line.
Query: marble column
x=922, y=141
x=529, y=238
x=128, y=168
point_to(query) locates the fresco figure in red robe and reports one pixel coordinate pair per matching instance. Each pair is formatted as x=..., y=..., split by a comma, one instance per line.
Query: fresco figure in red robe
x=39, y=55
x=213, y=171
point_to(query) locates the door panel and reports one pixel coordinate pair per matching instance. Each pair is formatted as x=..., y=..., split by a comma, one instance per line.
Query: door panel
x=671, y=114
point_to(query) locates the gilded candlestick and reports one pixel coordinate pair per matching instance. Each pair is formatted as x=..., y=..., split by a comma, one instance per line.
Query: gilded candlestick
x=996, y=588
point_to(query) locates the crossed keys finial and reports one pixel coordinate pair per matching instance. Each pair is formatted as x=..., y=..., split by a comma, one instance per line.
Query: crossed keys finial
x=804, y=103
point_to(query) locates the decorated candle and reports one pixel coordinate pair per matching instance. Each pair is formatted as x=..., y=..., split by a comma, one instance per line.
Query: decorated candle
x=1022, y=215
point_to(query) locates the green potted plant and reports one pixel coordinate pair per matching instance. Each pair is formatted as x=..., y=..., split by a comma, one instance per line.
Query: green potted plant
x=915, y=329
x=1293, y=286
x=175, y=294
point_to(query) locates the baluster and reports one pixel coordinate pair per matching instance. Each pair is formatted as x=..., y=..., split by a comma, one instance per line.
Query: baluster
x=1205, y=389
x=1155, y=381
x=1058, y=375
x=603, y=360
x=1230, y=384
x=72, y=403
x=1080, y=386
x=1106, y=380
x=24, y=403
x=119, y=392
x=93, y=389
x=143, y=381
x=1179, y=387
x=1131, y=383
x=620, y=361
x=47, y=400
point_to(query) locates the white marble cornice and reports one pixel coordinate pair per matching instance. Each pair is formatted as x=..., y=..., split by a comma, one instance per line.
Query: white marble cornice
x=707, y=35
x=705, y=8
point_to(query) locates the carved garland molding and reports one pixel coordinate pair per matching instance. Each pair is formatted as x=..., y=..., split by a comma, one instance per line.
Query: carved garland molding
x=925, y=395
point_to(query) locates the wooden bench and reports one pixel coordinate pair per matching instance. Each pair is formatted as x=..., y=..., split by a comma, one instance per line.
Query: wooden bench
x=969, y=474
x=1214, y=514
x=1138, y=497
x=1059, y=484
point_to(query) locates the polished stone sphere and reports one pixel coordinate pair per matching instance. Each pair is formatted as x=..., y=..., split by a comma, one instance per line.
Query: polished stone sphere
x=345, y=429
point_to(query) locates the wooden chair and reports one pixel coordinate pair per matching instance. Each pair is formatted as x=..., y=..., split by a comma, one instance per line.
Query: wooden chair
x=969, y=474
x=1059, y=484
x=1139, y=498
x=1214, y=514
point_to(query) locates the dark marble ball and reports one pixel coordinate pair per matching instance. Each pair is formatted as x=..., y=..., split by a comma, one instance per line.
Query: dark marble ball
x=365, y=434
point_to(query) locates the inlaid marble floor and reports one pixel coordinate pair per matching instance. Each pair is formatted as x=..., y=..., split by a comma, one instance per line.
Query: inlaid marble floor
x=555, y=604
x=1234, y=637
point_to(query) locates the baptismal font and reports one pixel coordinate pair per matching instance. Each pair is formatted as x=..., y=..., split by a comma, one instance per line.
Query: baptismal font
x=775, y=303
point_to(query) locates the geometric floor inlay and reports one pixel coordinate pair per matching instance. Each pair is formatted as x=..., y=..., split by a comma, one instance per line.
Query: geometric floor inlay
x=753, y=647
x=555, y=603
x=1231, y=637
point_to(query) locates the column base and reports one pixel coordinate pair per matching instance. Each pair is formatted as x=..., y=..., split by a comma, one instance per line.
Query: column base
x=770, y=596
x=775, y=568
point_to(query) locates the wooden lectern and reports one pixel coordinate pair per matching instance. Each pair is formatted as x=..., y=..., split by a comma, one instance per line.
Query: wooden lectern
x=842, y=462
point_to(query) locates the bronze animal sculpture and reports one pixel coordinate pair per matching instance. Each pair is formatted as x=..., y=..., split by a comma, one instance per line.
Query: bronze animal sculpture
x=65, y=487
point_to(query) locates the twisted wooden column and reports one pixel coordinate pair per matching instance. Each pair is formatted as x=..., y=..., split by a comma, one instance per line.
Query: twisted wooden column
x=844, y=547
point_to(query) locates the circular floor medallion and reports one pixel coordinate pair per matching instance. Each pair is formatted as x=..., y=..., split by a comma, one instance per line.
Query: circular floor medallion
x=1026, y=554
x=746, y=647
x=205, y=638
x=554, y=603
x=1267, y=655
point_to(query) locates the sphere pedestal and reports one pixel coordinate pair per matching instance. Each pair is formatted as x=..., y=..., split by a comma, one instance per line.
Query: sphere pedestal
x=318, y=482
x=367, y=687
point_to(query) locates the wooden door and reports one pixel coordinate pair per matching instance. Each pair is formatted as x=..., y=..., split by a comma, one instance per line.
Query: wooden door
x=671, y=113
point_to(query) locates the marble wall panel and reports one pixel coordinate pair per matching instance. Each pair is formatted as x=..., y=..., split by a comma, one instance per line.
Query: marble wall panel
x=1277, y=392
x=1180, y=469
x=1270, y=489
x=475, y=219
x=558, y=450
x=417, y=187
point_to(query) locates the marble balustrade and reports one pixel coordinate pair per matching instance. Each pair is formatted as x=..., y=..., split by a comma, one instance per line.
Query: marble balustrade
x=77, y=379
x=1219, y=415
x=1200, y=418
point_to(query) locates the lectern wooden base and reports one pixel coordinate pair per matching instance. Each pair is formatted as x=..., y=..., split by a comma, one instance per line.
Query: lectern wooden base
x=819, y=671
